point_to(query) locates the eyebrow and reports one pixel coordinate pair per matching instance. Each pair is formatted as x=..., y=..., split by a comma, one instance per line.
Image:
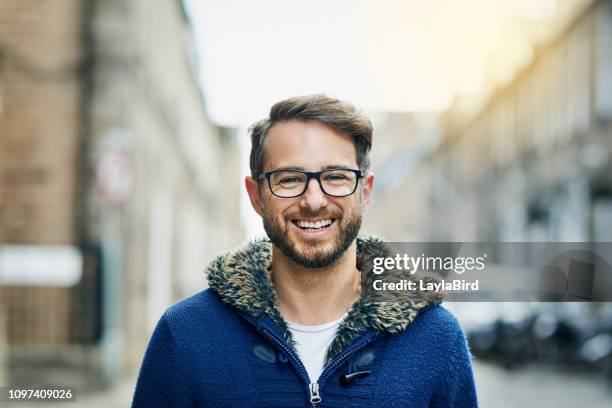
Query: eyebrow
x=328, y=167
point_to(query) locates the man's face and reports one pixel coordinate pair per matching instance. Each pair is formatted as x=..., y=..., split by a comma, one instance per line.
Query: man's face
x=310, y=146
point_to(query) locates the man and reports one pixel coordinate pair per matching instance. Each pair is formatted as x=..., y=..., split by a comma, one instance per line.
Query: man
x=284, y=322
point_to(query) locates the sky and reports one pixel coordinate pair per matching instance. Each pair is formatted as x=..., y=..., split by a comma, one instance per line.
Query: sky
x=383, y=55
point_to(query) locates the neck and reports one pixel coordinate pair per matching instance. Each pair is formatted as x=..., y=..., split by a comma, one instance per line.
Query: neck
x=314, y=296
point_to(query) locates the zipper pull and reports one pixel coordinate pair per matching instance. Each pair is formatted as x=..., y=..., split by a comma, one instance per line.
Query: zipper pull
x=315, y=397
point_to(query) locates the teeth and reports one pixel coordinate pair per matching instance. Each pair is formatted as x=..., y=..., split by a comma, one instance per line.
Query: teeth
x=314, y=225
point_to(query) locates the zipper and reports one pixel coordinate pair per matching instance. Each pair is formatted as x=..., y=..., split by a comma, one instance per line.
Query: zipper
x=313, y=388
x=315, y=397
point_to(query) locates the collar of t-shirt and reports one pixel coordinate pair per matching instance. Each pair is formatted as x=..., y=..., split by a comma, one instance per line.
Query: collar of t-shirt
x=312, y=343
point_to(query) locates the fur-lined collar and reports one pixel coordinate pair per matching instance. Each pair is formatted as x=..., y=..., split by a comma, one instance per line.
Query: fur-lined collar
x=241, y=279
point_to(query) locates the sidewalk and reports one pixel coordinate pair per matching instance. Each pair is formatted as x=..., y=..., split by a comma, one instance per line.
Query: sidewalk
x=539, y=386
x=119, y=396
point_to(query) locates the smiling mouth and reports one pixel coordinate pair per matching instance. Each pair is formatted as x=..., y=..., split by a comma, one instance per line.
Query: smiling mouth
x=314, y=226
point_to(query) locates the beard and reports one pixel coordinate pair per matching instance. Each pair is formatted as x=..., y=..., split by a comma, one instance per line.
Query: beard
x=312, y=256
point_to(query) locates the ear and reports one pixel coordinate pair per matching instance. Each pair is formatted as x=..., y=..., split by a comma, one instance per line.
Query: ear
x=252, y=187
x=366, y=189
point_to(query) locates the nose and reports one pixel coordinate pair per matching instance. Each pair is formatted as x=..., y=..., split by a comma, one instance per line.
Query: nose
x=313, y=198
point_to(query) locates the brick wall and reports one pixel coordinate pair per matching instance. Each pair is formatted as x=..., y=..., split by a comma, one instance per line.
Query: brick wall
x=39, y=41
x=39, y=127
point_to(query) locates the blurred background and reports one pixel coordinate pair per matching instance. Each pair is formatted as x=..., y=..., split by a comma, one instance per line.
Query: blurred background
x=123, y=146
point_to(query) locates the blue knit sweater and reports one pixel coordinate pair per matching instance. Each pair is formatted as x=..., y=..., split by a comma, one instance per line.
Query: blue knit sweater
x=227, y=346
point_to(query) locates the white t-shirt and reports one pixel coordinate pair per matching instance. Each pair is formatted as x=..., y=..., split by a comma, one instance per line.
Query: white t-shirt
x=312, y=343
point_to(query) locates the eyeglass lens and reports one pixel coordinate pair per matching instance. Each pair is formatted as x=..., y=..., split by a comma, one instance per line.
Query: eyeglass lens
x=288, y=183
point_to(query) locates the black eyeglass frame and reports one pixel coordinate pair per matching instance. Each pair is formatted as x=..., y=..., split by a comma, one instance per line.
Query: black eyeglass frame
x=310, y=175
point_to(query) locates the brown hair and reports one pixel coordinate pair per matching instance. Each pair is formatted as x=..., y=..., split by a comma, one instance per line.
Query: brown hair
x=338, y=115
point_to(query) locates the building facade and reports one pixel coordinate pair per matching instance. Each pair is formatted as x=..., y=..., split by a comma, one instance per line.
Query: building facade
x=108, y=155
x=532, y=163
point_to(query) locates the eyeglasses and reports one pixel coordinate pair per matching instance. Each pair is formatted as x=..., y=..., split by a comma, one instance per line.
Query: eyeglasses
x=293, y=183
